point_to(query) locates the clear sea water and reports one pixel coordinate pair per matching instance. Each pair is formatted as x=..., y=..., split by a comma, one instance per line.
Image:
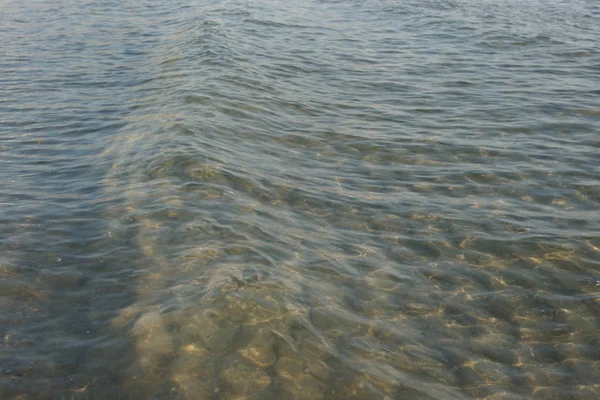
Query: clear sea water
x=376, y=199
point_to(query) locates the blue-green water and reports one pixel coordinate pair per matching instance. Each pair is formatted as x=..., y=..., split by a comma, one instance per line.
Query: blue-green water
x=300, y=199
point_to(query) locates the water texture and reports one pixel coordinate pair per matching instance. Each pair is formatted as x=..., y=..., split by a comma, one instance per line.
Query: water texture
x=299, y=199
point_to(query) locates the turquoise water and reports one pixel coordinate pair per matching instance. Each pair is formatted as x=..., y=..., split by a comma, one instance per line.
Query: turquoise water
x=300, y=200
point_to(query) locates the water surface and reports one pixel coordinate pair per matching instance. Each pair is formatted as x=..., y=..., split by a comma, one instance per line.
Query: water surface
x=299, y=199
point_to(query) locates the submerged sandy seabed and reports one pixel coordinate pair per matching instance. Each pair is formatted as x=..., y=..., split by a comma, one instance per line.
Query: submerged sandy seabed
x=219, y=317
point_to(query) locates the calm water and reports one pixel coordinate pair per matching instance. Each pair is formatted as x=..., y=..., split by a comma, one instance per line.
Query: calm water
x=307, y=200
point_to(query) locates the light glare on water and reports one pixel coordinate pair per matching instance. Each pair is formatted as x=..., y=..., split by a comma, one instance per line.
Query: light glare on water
x=299, y=200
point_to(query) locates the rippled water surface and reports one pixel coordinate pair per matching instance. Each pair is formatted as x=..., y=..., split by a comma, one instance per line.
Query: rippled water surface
x=330, y=200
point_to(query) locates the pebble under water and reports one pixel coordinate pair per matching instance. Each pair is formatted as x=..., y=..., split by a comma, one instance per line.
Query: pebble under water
x=305, y=200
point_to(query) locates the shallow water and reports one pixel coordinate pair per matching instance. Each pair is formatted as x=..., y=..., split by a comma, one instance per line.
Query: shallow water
x=299, y=200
